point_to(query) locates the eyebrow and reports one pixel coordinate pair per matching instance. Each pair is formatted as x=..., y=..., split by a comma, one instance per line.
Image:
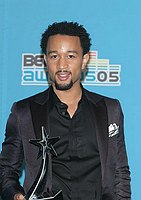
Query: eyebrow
x=73, y=51
x=51, y=51
x=70, y=51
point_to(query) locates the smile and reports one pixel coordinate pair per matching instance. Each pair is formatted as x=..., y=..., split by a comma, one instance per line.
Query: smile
x=63, y=76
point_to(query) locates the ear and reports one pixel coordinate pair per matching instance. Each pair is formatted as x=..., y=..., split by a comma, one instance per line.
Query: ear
x=45, y=59
x=85, y=60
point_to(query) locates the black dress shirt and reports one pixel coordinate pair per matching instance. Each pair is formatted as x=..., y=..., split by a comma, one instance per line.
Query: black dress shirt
x=77, y=169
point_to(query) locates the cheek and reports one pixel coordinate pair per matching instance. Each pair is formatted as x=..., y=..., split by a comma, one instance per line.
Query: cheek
x=51, y=71
x=51, y=67
x=77, y=68
x=76, y=74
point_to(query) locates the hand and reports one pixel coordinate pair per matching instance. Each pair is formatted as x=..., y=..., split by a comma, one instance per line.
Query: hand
x=19, y=197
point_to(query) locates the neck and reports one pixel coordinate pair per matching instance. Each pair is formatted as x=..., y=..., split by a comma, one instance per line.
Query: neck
x=69, y=96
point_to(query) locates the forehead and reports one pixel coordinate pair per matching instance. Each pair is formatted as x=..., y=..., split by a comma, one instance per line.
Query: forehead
x=64, y=42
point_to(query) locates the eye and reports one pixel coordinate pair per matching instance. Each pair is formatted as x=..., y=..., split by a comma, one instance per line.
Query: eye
x=71, y=56
x=54, y=56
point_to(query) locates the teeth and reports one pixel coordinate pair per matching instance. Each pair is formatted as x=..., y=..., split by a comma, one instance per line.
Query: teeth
x=63, y=75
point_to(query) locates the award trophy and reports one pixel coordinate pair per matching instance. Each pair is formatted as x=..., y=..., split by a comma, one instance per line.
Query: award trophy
x=44, y=176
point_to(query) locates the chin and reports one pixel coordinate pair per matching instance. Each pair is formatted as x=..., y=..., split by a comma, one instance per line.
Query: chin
x=65, y=86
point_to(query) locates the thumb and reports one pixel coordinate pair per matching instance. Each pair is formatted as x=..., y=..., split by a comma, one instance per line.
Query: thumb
x=19, y=197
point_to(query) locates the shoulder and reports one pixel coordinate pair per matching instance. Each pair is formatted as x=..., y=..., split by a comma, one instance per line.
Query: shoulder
x=112, y=105
x=39, y=98
x=95, y=97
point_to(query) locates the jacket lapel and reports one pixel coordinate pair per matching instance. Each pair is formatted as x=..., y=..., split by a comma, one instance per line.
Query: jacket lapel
x=99, y=114
x=39, y=117
x=39, y=112
x=101, y=124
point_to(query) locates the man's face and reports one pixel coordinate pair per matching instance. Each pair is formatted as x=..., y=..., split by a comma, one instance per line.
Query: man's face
x=65, y=60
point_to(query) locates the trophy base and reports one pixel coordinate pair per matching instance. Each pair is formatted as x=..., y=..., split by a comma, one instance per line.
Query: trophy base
x=57, y=196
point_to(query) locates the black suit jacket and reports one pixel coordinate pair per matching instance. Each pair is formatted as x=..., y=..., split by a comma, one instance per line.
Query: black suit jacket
x=24, y=123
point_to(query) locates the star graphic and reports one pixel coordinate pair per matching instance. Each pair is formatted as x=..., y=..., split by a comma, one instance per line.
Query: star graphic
x=45, y=144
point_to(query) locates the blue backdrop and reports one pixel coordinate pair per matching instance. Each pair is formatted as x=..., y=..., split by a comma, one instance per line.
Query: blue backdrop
x=115, y=29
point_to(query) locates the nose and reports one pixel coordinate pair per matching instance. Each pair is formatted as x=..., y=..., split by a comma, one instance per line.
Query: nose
x=62, y=63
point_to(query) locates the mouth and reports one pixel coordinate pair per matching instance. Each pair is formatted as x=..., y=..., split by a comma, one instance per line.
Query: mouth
x=63, y=75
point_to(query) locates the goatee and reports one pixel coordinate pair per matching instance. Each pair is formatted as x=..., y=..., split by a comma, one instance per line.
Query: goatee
x=63, y=86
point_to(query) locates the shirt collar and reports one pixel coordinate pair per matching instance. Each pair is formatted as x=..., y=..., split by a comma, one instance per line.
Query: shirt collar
x=55, y=101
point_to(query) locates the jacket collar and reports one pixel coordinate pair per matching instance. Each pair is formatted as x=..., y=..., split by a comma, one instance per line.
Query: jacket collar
x=43, y=97
x=93, y=97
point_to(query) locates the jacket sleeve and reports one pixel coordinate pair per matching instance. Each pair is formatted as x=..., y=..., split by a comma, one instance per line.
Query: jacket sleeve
x=11, y=158
x=122, y=176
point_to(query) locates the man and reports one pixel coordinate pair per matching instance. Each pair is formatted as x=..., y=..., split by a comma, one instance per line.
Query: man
x=92, y=161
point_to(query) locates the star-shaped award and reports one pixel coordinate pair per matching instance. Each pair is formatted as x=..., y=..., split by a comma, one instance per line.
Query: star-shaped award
x=45, y=144
x=46, y=149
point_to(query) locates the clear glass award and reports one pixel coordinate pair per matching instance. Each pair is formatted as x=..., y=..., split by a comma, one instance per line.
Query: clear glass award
x=44, y=176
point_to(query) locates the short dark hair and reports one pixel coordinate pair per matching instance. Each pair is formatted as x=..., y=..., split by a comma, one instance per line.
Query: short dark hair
x=67, y=28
